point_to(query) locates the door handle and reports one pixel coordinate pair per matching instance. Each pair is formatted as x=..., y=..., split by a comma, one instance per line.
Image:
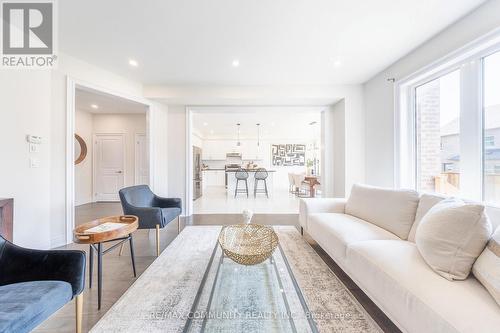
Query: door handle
x=119, y=172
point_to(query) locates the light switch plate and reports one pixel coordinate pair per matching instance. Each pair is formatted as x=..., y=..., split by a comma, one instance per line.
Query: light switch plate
x=34, y=162
x=34, y=148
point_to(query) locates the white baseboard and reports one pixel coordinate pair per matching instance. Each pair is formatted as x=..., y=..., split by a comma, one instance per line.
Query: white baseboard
x=58, y=241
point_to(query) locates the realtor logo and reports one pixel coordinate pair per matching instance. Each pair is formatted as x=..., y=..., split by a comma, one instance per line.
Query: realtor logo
x=28, y=34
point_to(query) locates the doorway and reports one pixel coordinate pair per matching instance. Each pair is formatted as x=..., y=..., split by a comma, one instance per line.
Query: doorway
x=281, y=141
x=113, y=132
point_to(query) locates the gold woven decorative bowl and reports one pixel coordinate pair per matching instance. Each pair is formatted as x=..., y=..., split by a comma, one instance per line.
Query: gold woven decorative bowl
x=248, y=244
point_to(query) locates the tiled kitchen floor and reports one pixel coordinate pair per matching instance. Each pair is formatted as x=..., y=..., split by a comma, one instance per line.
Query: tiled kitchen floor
x=215, y=200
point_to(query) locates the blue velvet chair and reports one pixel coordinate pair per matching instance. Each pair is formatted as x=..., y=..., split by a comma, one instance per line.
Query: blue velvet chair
x=34, y=284
x=154, y=212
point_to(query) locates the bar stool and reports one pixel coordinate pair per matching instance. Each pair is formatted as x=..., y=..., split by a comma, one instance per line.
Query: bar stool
x=241, y=175
x=260, y=175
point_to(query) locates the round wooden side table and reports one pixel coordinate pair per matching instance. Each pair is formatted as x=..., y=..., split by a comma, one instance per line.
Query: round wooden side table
x=108, y=229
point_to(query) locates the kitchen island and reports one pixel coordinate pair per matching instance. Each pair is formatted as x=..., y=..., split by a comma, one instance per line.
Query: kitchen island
x=231, y=183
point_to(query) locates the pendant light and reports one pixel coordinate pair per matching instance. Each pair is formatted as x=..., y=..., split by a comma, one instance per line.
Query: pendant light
x=258, y=134
x=238, y=143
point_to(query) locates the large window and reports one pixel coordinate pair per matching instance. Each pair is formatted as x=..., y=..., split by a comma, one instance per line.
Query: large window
x=491, y=129
x=448, y=134
x=438, y=134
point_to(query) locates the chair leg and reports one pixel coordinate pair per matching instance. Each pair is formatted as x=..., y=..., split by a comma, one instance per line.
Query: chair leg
x=132, y=254
x=157, y=240
x=121, y=249
x=255, y=184
x=265, y=186
x=302, y=231
x=79, y=312
x=91, y=265
x=236, y=187
x=246, y=186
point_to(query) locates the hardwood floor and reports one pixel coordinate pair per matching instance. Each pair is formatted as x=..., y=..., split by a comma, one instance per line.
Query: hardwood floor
x=118, y=276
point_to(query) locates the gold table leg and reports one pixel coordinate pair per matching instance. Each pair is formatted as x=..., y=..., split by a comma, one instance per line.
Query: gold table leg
x=157, y=240
x=79, y=312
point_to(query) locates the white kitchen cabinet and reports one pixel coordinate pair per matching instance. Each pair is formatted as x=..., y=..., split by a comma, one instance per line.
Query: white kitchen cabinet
x=214, y=178
x=217, y=149
x=252, y=152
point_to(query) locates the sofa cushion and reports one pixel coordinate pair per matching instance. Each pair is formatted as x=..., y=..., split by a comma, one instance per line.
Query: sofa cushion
x=25, y=305
x=451, y=236
x=392, y=210
x=487, y=267
x=395, y=277
x=426, y=202
x=334, y=232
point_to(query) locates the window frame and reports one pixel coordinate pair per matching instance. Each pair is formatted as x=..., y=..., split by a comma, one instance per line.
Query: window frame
x=469, y=61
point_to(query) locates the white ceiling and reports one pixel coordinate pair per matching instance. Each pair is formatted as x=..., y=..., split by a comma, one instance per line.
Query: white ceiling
x=276, y=42
x=106, y=103
x=275, y=122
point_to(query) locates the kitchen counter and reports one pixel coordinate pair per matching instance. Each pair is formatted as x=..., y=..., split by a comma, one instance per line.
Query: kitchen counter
x=231, y=183
x=213, y=169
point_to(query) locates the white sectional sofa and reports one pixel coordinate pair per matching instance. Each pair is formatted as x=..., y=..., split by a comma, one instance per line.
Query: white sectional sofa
x=371, y=237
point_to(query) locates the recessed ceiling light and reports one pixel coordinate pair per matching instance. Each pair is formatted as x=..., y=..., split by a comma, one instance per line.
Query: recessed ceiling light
x=235, y=63
x=336, y=62
x=133, y=63
x=205, y=124
x=94, y=106
x=211, y=131
x=273, y=123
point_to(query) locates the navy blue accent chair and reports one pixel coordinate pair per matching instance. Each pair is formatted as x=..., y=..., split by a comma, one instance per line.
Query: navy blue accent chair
x=154, y=212
x=36, y=283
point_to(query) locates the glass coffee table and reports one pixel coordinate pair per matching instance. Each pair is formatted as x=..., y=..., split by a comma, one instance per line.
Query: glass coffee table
x=251, y=299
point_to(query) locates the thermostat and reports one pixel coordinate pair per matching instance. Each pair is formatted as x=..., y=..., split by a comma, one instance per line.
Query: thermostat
x=34, y=139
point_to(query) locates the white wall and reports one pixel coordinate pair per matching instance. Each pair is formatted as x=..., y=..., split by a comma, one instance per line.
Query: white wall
x=83, y=170
x=379, y=93
x=177, y=152
x=25, y=109
x=333, y=153
x=88, y=124
x=34, y=102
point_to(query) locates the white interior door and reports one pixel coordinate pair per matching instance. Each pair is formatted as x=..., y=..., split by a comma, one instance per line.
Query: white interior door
x=109, y=168
x=141, y=160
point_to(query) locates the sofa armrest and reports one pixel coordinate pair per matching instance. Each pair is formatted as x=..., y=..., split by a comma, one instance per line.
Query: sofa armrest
x=319, y=205
x=23, y=265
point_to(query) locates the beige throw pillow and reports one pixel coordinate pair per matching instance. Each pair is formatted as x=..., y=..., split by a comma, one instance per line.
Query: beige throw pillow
x=391, y=209
x=426, y=202
x=487, y=267
x=451, y=236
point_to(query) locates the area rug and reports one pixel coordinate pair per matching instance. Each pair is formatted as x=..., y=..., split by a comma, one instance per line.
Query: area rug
x=161, y=298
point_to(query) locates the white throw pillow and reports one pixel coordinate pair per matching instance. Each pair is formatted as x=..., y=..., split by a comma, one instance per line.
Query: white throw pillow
x=426, y=202
x=390, y=209
x=451, y=236
x=487, y=267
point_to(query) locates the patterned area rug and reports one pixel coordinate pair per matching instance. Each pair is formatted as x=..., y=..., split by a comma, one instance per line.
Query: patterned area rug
x=161, y=299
